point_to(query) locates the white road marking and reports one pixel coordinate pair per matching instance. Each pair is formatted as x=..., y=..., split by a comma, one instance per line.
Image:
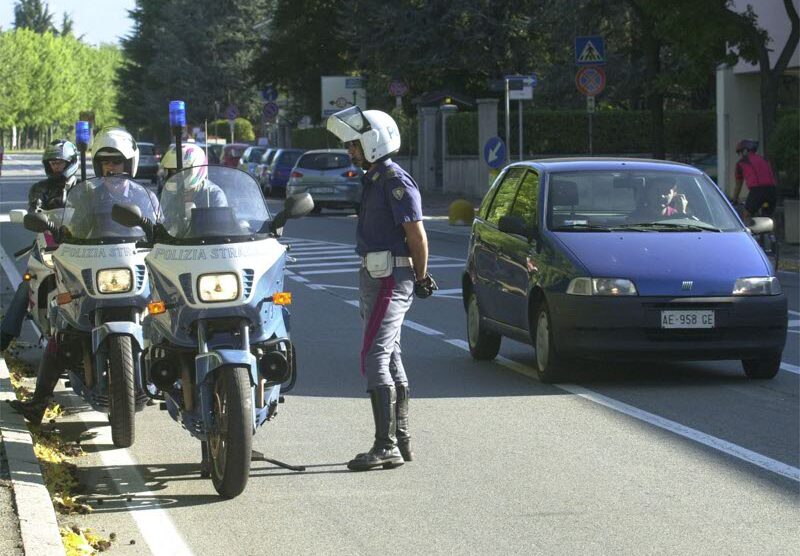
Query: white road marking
x=439, y=293
x=5, y=218
x=790, y=368
x=724, y=446
x=154, y=523
x=420, y=328
x=309, y=265
x=328, y=257
x=795, y=313
x=794, y=322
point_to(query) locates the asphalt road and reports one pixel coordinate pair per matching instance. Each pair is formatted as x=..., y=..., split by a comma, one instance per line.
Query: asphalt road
x=645, y=458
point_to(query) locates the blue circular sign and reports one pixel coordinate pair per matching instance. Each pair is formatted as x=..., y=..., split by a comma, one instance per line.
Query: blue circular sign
x=231, y=112
x=494, y=153
x=270, y=110
x=269, y=94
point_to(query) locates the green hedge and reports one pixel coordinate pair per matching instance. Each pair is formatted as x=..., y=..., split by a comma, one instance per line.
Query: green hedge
x=242, y=130
x=784, y=153
x=562, y=132
x=321, y=138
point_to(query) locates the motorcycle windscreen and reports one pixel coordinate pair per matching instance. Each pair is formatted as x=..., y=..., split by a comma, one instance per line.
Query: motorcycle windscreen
x=87, y=214
x=213, y=203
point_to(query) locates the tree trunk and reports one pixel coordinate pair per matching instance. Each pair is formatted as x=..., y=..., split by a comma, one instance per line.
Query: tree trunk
x=655, y=98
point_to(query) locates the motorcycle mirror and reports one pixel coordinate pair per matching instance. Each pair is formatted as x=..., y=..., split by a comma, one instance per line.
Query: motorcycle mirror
x=38, y=222
x=127, y=214
x=17, y=216
x=298, y=205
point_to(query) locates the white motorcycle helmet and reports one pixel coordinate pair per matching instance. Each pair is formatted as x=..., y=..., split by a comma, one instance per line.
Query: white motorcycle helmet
x=110, y=142
x=377, y=131
x=195, y=170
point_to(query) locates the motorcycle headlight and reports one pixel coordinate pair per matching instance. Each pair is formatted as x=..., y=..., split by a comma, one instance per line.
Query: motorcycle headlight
x=601, y=286
x=115, y=280
x=758, y=285
x=47, y=259
x=218, y=287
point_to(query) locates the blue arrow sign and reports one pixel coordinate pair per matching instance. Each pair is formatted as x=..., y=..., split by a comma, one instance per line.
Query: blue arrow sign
x=494, y=153
x=269, y=94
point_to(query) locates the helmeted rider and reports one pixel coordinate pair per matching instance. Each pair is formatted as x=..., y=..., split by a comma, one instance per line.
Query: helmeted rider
x=114, y=152
x=191, y=189
x=60, y=161
x=392, y=241
x=754, y=171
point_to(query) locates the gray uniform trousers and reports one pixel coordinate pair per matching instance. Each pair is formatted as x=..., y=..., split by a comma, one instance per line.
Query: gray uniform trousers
x=383, y=305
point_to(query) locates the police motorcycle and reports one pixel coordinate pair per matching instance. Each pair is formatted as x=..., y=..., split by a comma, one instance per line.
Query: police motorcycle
x=102, y=293
x=40, y=272
x=219, y=348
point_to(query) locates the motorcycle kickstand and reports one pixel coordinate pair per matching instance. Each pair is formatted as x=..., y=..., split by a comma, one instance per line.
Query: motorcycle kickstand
x=259, y=456
x=205, y=463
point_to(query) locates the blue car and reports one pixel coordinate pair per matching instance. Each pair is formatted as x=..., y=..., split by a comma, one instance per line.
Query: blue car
x=280, y=169
x=620, y=259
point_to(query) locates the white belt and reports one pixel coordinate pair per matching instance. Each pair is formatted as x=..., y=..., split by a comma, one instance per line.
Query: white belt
x=398, y=261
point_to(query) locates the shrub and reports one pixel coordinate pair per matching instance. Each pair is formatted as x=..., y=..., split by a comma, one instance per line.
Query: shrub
x=784, y=153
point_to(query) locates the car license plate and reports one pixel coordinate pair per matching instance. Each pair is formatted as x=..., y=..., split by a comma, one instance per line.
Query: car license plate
x=321, y=190
x=687, y=319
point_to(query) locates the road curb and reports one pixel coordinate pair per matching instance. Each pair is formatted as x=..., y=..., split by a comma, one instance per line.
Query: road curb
x=37, y=518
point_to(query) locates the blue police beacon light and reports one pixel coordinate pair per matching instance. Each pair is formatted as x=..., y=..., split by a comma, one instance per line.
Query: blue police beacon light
x=177, y=113
x=82, y=132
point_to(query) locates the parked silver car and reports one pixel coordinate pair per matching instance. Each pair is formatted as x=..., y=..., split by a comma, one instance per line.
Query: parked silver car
x=329, y=176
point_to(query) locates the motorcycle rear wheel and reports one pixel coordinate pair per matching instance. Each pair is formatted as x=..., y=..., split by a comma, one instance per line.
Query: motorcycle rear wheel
x=230, y=444
x=122, y=399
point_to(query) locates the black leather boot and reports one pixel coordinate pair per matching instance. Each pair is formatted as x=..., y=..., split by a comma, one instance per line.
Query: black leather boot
x=403, y=436
x=49, y=372
x=384, y=451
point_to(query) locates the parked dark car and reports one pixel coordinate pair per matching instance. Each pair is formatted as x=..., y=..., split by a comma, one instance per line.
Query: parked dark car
x=250, y=158
x=610, y=258
x=279, y=170
x=262, y=168
x=214, y=151
x=232, y=152
x=149, y=158
x=329, y=176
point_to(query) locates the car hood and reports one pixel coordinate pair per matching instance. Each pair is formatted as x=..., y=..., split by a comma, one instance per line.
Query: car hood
x=659, y=263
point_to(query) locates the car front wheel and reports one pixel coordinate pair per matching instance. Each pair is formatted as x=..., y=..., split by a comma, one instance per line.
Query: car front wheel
x=765, y=367
x=483, y=344
x=548, y=361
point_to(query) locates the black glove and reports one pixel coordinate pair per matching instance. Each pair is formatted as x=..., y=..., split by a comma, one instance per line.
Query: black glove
x=425, y=287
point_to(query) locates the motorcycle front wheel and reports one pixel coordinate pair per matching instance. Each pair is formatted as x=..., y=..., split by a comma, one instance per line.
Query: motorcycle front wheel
x=230, y=443
x=122, y=399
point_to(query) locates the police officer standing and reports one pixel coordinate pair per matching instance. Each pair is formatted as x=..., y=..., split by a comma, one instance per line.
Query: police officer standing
x=391, y=240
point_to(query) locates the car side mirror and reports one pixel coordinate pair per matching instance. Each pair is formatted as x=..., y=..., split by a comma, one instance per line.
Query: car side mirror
x=514, y=225
x=761, y=225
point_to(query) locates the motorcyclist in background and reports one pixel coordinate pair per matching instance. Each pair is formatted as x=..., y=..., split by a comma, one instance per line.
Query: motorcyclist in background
x=114, y=152
x=60, y=161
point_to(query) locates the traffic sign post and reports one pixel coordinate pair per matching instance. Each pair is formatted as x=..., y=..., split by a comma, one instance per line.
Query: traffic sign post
x=518, y=87
x=590, y=81
x=270, y=111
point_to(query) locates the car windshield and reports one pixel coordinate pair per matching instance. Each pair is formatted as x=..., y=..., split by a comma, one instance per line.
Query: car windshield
x=255, y=154
x=637, y=201
x=146, y=150
x=324, y=161
x=287, y=158
x=213, y=204
x=87, y=213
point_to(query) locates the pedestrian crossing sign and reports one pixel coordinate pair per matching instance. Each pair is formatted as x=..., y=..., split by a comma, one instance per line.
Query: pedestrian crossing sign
x=590, y=51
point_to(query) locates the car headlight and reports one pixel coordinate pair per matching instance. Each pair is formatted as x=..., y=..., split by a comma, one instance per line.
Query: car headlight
x=601, y=286
x=758, y=285
x=218, y=287
x=115, y=280
x=47, y=259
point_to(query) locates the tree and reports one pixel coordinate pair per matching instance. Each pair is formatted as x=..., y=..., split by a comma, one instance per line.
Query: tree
x=759, y=49
x=66, y=25
x=34, y=15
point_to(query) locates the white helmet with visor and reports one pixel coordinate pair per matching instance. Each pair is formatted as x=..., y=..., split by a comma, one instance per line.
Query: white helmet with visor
x=377, y=131
x=115, y=143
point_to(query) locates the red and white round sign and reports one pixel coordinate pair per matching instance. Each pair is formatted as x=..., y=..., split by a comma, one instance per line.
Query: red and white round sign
x=590, y=80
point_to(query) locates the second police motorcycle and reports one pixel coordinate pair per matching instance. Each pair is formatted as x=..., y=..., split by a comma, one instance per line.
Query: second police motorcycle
x=219, y=349
x=102, y=286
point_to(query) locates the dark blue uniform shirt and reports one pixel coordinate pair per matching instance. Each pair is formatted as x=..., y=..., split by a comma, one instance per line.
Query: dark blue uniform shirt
x=390, y=198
